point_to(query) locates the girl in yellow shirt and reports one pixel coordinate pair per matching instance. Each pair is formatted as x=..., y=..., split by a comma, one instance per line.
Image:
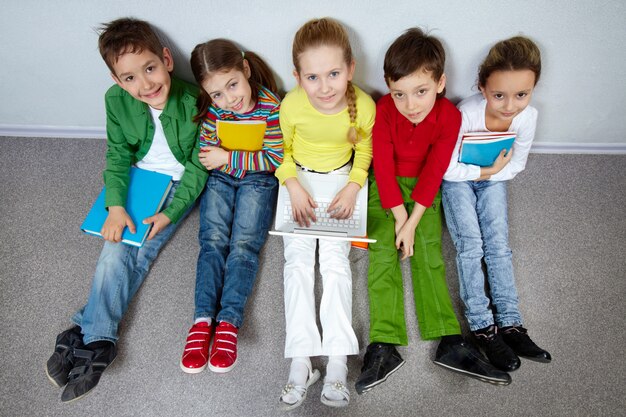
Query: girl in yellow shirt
x=327, y=127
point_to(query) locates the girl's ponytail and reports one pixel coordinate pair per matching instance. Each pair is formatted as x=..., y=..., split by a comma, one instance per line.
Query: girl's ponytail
x=260, y=72
x=353, y=133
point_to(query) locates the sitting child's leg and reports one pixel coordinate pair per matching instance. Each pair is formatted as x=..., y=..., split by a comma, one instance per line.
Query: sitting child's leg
x=336, y=319
x=336, y=303
x=216, y=217
x=302, y=338
x=492, y=211
x=386, y=297
x=335, y=392
x=301, y=377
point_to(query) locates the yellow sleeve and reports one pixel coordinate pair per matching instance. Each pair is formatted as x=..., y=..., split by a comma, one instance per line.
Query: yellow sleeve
x=288, y=168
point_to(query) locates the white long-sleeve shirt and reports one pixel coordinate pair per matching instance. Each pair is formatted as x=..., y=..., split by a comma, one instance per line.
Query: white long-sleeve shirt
x=473, y=120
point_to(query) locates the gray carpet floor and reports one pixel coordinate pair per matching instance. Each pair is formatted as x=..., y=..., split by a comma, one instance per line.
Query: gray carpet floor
x=568, y=234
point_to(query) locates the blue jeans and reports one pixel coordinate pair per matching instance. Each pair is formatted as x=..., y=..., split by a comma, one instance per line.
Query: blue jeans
x=235, y=216
x=119, y=273
x=476, y=215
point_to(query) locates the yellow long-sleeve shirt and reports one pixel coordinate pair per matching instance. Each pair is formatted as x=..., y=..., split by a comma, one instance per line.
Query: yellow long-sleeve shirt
x=320, y=141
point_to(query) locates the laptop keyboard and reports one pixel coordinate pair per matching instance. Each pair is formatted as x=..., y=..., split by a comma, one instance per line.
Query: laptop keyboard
x=323, y=216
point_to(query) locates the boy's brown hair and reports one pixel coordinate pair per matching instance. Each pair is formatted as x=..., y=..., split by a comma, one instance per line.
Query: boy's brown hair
x=412, y=51
x=127, y=35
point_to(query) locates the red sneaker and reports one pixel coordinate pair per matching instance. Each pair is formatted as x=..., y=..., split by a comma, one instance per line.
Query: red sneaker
x=196, y=351
x=224, y=349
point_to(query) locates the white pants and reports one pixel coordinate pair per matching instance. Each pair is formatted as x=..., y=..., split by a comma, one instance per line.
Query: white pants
x=302, y=335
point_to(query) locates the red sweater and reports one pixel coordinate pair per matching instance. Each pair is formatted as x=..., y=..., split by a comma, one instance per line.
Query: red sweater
x=406, y=150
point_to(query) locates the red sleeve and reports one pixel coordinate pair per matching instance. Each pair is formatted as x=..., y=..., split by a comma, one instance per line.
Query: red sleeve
x=383, y=154
x=442, y=144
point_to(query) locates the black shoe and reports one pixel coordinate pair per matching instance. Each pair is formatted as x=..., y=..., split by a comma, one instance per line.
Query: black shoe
x=465, y=359
x=91, y=361
x=62, y=360
x=380, y=361
x=499, y=353
x=517, y=338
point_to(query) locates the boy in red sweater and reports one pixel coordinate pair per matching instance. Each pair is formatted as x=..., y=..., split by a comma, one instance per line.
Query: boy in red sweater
x=414, y=135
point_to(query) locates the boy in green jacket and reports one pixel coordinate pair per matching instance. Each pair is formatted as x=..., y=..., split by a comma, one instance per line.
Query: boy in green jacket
x=149, y=125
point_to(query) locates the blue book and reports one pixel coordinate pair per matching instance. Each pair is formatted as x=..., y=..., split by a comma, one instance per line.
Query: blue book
x=483, y=148
x=147, y=192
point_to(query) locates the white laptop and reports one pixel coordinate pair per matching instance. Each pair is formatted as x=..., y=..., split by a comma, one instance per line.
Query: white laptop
x=323, y=188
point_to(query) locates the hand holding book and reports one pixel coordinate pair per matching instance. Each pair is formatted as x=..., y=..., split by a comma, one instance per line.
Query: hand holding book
x=213, y=157
x=115, y=222
x=501, y=161
x=147, y=193
x=483, y=148
x=159, y=222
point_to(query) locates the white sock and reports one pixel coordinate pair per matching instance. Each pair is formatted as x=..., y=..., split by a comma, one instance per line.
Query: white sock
x=201, y=319
x=298, y=375
x=336, y=371
x=299, y=371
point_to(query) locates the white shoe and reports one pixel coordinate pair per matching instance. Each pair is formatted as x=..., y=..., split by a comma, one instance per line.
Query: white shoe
x=298, y=391
x=336, y=387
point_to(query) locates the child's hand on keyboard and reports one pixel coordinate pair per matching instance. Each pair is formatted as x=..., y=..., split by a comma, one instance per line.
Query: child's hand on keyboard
x=342, y=205
x=302, y=203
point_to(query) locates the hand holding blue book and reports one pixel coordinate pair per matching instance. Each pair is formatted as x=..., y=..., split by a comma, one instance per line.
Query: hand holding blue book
x=147, y=192
x=482, y=148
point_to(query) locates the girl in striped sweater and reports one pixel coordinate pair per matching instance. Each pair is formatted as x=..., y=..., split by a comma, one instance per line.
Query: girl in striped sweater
x=237, y=206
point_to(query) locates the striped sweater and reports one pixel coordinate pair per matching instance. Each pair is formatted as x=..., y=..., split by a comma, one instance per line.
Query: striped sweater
x=270, y=156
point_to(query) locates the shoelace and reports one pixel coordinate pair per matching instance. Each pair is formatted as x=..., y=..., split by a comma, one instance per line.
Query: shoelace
x=378, y=358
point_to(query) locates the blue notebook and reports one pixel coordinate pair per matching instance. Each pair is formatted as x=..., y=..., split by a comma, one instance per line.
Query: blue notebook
x=482, y=148
x=147, y=192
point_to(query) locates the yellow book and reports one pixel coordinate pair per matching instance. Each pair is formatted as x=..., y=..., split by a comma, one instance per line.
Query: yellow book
x=241, y=135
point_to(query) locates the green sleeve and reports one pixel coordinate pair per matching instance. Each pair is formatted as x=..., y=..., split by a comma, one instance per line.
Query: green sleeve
x=119, y=159
x=191, y=185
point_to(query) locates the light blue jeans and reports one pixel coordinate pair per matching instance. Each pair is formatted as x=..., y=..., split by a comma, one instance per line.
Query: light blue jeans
x=476, y=216
x=235, y=216
x=119, y=273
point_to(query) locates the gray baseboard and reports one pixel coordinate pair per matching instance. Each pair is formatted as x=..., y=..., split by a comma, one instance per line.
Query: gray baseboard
x=78, y=132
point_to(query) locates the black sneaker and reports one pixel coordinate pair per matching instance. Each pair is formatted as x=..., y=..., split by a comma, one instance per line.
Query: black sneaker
x=380, y=361
x=464, y=358
x=517, y=338
x=499, y=353
x=91, y=361
x=62, y=359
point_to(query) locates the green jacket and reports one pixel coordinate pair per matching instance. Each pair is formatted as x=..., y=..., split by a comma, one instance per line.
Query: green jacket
x=130, y=131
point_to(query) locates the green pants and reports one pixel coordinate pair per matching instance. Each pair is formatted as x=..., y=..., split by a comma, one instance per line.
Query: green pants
x=433, y=306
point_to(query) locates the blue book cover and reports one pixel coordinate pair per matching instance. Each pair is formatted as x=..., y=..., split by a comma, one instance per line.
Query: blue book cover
x=483, y=150
x=147, y=192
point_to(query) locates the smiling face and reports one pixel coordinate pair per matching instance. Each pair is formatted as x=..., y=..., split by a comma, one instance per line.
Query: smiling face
x=415, y=94
x=230, y=90
x=324, y=76
x=507, y=94
x=145, y=76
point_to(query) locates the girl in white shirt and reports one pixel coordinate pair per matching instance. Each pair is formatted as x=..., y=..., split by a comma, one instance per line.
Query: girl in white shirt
x=475, y=201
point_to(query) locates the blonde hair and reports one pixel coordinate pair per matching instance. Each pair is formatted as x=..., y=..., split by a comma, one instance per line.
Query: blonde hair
x=513, y=54
x=328, y=32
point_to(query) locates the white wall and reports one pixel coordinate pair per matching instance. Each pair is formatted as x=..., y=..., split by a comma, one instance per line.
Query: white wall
x=53, y=77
